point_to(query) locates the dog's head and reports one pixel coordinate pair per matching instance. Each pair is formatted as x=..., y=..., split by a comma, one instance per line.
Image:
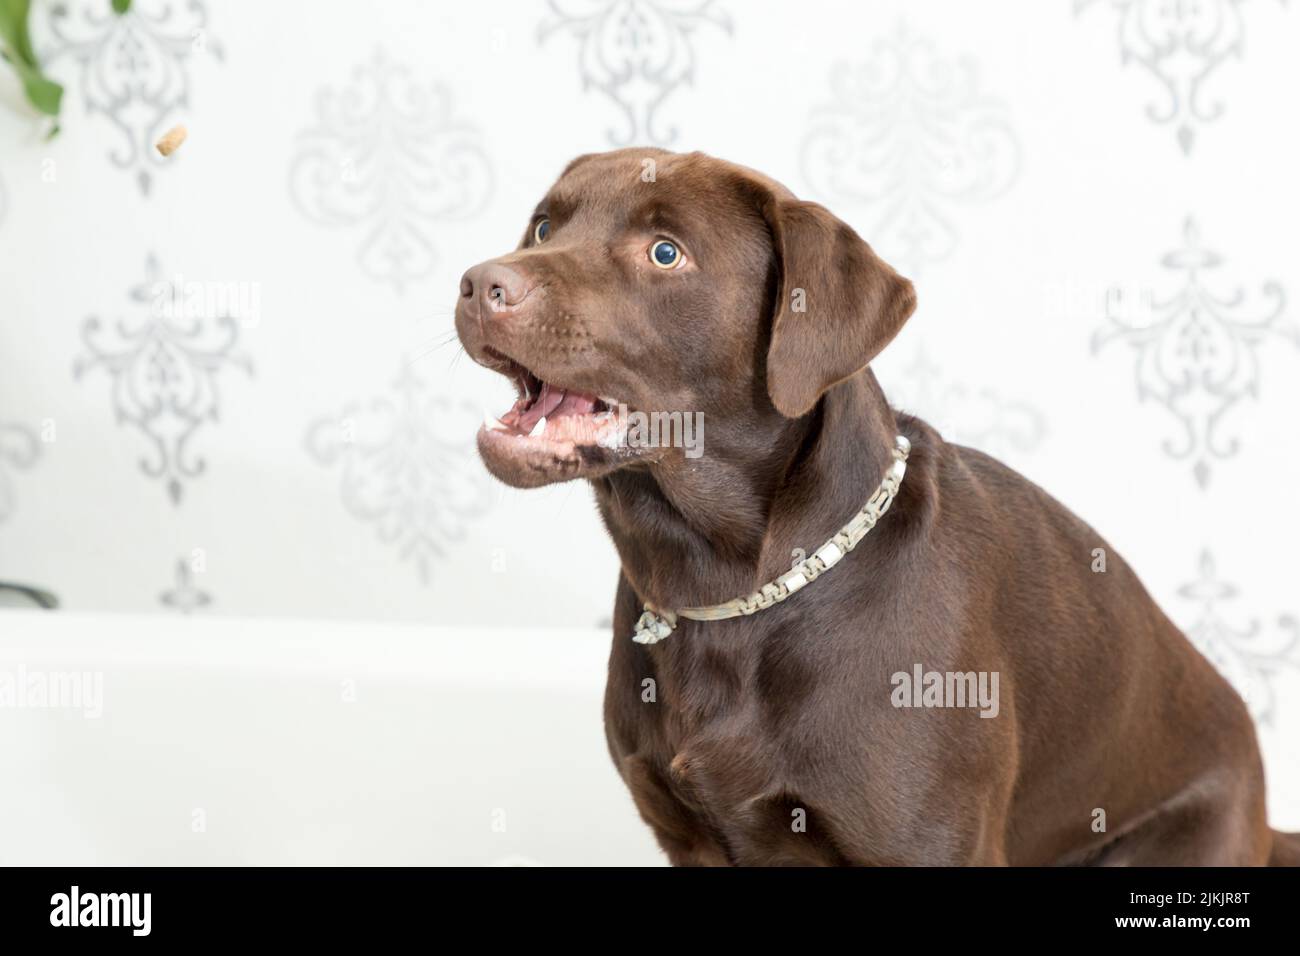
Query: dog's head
x=654, y=282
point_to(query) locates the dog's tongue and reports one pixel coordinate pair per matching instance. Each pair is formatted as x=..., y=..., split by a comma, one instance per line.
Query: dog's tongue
x=554, y=402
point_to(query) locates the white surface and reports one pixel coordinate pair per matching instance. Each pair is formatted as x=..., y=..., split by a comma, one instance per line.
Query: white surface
x=451, y=734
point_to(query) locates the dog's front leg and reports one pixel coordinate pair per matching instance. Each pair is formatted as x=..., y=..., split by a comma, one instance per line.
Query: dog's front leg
x=682, y=832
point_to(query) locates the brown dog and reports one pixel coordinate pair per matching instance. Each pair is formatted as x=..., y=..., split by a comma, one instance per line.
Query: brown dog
x=682, y=284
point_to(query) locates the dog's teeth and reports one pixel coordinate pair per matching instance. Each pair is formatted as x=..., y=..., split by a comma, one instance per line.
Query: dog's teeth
x=492, y=424
x=538, y=428
x=611, y=402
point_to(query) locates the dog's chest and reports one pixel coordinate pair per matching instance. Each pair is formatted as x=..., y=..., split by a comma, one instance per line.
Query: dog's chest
x=694, y=734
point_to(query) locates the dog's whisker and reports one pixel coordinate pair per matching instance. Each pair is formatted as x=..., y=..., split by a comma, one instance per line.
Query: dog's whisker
x=455, y=358
x=430, y=349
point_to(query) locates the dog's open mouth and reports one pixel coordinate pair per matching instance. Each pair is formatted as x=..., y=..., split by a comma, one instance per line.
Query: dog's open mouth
x=551, y=433
x=554, y=413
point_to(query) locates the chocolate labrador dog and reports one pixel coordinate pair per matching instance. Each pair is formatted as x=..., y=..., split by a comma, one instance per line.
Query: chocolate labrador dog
x=982, y=680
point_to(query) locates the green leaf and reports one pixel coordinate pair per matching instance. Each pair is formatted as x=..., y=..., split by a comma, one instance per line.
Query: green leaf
x=13, y=31
x=121, y=6
x=42, y=92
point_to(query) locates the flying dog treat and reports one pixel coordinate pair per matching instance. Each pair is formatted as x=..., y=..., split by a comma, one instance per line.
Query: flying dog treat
x=172, y=140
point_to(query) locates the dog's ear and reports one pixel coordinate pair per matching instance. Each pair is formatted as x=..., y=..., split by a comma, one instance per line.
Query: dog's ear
x=839, y=304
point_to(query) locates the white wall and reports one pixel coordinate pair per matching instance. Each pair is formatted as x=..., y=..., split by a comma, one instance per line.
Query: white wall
x=1022, y=173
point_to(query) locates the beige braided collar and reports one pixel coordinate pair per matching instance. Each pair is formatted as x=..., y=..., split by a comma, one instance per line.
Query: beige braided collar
x=653, y=626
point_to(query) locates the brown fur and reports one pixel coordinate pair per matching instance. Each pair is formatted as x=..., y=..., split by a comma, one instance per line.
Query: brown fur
x=1104, y=703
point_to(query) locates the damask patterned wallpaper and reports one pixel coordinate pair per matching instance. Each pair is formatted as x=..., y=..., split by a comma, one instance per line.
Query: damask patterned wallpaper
x=228, y=380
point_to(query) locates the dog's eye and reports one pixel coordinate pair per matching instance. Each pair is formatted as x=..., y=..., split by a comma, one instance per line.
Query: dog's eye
x=664, y=254
x=542, y=230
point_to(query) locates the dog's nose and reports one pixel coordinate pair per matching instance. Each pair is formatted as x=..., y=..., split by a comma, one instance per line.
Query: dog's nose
x=498, y=288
